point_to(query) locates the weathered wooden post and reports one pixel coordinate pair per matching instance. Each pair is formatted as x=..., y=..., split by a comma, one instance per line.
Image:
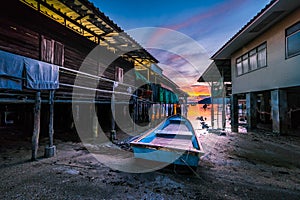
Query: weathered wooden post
x=133, y=114
x=154, y=111
x=159, y=111
x=113, y=112
x=138, y=104
x=212, y=106
x=174, y=109
x=51, y=108
x=223, y=110
x=50, y=150
x=95, y=123
x=185, y=106
x=36, y=126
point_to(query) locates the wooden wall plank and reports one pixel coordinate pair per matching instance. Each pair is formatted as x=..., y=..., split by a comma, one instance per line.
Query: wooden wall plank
x=21, y=35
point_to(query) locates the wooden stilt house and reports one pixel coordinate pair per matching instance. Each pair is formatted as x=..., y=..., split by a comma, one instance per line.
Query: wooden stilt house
x=43, y=47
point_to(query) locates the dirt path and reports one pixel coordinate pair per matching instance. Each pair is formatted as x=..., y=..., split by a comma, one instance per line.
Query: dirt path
x=235, y=166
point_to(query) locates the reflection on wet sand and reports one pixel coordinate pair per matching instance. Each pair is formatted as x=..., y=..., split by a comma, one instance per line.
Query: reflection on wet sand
x=198, y=110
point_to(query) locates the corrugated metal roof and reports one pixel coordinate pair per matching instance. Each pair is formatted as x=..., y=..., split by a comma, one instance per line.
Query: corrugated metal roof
x=84, y=18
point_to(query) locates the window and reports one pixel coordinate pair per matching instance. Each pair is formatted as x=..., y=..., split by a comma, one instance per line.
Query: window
x=239, y=68
x=262, y=55
x=292, y=35
x=58, y=54
x=47, y=50
x=52, y=51
x=245, y=63
x=253, y=60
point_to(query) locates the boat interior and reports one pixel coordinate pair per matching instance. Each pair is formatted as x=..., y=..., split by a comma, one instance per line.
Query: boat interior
x=176, y=133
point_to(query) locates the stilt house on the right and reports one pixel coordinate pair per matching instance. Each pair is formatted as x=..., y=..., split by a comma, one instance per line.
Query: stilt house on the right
x=264, y=59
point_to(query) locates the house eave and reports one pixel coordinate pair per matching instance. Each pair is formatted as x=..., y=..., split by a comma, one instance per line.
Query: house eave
x=267, y=17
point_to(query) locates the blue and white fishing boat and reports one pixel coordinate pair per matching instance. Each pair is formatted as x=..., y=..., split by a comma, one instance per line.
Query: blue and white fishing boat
x=173, y=141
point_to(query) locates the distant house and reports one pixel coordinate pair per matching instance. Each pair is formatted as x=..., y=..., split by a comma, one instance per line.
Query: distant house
x=264, y=59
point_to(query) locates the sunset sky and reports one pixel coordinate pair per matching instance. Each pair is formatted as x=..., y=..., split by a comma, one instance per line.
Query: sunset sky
x=182, y=35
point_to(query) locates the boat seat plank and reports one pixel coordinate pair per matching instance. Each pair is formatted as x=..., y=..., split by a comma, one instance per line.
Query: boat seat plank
x=175, y=135
x=174, y=132
x=175, y=128
x=177, y=120
x=171, y=143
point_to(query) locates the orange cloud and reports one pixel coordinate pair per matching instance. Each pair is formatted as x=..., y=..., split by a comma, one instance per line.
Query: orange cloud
x=197, y=91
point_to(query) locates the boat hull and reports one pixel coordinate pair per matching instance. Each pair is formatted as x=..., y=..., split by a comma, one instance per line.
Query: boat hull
x=168, y=157
x=172, y=142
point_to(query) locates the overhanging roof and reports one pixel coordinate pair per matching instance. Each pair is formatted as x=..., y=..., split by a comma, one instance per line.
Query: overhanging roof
x=82, y=17
x=268, y=16
x=85, y=19
x=139, y=76
x=216, y=70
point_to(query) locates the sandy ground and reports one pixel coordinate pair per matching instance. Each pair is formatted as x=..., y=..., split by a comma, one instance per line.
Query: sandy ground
x=236, y=166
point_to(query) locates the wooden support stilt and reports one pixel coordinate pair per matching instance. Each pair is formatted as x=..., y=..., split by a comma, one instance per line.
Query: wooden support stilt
x=185, y=106
x=95, y=124
x=51, y=117
x=135, y=107
x=223, y=102
x=223, y=114
x=212, y=106
x=36, y=128
x=159, y=111
x=154, y=113
x=218, y=115
x=174, y=109
x=113, y=125
x=50, y=151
